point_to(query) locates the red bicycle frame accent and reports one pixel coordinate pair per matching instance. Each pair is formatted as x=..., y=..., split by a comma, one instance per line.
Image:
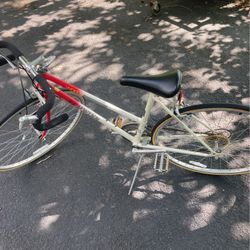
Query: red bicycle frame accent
x=62, y=83
x=65, y=85
x=53, y=81
x=58, y=92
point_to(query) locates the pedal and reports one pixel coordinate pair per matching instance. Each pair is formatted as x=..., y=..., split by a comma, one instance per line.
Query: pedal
x=161, y=162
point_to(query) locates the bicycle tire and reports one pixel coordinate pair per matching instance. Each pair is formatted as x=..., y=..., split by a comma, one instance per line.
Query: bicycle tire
x=21, y=147
x=220, y=138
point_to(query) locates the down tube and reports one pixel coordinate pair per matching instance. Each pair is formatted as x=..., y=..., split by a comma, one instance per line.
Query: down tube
x=65, y=96
x=108, y=124
x=94, y=98
x=64, y=84
x=93, y=114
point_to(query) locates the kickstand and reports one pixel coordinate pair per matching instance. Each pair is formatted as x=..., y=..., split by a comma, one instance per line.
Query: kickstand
x=136, y=172
x=161, y=157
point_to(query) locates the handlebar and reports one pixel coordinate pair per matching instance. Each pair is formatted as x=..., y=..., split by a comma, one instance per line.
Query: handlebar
x=50, y=96
x=11, y=57
x=14, y=50
x=41, y=112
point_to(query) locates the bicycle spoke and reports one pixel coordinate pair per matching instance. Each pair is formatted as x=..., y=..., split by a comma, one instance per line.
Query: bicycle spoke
x=9, y=132
x=17, y=147
x=218, y=125
x=10, y=142
x=31, y=150
x=241, y=133
x=11, y=152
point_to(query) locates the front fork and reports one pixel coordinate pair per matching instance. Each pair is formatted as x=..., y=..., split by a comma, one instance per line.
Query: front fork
x=44, y=133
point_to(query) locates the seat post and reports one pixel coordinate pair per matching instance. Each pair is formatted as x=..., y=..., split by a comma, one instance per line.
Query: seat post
x=144, y=121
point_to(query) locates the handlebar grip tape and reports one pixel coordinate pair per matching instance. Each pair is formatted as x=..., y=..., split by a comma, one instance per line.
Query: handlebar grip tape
x=14, y=50
x=45, y=86
x=11, y=57
x=41, y=112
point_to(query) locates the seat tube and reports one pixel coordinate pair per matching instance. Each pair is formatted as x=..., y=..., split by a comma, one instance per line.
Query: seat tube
x=145, y=118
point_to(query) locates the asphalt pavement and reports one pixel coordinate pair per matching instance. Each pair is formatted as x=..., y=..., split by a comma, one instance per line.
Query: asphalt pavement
x=76, y=196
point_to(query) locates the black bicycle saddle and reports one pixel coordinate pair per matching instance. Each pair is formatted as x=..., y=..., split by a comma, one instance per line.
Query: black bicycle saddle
x=165, y=85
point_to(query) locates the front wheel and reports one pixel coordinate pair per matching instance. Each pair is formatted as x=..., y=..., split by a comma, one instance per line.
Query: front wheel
x=224, y=127
x=18, y=147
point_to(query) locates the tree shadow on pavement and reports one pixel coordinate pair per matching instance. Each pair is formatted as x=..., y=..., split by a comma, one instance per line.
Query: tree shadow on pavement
x=78, y=199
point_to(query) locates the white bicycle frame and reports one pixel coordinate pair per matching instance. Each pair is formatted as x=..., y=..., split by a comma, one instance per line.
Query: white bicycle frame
x=142, y=123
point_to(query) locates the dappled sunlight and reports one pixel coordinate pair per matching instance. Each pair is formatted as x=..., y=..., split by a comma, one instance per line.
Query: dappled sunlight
x=45, y=208
x=229, y=203
x=214, y=27
x=204, y=211
x=141, y=214
x=104, y=161
x=86, y=43
x=34, y=21
x=189, y=184
x=206, y=191
x=243, y=4
x=13, y=80
x=96, y=3
x=153, y=191
x=145, y=37
x=203, y=217
x=201, y=79
x=241, y=231
x=246, y=101
x=16, y=4
x=46, y=222
x=206, y=204
x=111, y=72
x=66, y=189
x=81, y=192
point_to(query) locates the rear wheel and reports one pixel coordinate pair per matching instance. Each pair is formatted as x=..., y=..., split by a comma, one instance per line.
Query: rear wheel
x=224, y=127
x=20, y=147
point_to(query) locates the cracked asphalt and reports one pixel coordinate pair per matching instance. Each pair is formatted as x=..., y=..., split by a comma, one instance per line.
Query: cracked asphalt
x=76, y=197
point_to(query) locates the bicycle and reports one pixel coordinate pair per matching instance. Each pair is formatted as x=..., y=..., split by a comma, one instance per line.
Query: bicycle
x=205, y=138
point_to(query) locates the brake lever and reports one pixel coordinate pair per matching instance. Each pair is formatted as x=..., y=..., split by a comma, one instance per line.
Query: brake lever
x=41, y=63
